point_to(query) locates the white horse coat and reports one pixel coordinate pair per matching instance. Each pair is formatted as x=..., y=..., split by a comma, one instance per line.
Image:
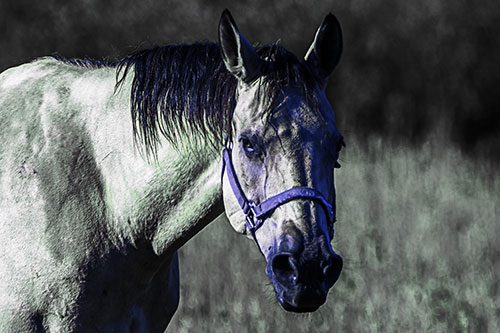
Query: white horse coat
x=74, y=243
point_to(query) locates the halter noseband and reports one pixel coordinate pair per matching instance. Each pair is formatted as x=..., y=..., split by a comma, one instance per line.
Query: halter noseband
x=257, y=213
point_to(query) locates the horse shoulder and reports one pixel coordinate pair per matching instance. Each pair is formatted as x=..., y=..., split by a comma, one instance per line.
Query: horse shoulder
x=52, y=192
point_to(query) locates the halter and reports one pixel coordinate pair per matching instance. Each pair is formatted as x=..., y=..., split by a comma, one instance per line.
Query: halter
x=257, y=213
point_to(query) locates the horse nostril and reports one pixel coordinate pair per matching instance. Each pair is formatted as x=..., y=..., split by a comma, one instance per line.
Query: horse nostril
x=331, y=272
x=285, y=269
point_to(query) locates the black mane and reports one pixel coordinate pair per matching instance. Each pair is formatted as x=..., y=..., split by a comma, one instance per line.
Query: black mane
x=186, y=90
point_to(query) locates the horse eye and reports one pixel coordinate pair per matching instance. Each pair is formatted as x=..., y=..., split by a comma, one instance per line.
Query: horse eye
x=247, y=146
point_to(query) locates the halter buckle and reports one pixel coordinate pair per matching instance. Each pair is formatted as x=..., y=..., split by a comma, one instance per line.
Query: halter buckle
x=252, y=221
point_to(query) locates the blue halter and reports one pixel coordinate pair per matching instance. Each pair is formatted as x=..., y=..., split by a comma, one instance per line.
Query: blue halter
x=257, y=213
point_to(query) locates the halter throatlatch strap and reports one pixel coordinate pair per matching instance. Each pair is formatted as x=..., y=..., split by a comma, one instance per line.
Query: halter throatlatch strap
x=257, y=213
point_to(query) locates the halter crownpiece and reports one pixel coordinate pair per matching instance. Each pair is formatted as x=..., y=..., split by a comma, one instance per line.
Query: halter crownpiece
x=256, y=213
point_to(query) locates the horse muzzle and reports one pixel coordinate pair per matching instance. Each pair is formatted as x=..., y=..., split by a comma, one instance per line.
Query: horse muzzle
x=302, y=286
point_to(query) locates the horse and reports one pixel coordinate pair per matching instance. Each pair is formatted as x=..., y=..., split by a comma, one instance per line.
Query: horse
x=108, y=168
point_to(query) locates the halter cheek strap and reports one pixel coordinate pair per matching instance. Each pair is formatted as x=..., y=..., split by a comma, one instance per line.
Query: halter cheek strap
x=256, y=213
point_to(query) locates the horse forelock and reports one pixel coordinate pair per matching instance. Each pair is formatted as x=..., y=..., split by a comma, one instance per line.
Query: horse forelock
x=185, y=93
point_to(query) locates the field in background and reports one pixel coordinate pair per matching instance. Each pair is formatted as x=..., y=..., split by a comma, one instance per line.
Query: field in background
x=419, y=231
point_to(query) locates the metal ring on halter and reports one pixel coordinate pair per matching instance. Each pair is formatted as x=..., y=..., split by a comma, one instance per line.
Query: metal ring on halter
x=252, y=221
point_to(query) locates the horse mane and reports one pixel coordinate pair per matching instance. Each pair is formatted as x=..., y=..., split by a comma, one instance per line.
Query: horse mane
x=181, y=91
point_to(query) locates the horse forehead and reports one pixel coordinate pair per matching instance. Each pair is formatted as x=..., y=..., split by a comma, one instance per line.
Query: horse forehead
x=297, y=120
x=291, y=114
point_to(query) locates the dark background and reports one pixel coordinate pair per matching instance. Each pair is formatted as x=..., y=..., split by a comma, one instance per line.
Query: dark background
x=416, y=96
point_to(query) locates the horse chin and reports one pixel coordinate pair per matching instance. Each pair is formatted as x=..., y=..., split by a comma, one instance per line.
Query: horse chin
x=290, y=308
x=299, y=301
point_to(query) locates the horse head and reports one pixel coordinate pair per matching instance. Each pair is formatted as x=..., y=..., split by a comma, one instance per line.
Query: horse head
x=281, y=151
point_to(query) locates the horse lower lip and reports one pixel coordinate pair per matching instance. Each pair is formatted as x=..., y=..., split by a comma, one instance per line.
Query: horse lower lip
x=288, y=307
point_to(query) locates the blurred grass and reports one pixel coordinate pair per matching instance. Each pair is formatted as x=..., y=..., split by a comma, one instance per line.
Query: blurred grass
x=418, y=228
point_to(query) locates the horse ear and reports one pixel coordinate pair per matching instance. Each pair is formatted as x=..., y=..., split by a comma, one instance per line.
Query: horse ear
x=324, y=53
x=238, y=54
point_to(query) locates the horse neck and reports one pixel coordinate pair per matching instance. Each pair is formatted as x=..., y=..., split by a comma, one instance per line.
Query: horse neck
x=159, y=203
x=192, y=183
